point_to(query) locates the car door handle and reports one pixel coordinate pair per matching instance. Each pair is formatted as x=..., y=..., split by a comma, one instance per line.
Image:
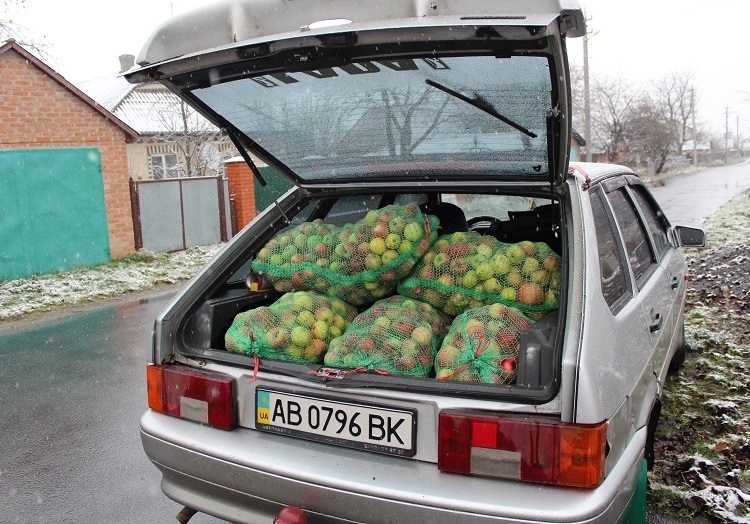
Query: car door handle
x=656, y=320
x=675, y=282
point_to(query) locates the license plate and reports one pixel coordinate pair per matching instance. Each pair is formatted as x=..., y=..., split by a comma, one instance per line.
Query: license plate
x=361, y=426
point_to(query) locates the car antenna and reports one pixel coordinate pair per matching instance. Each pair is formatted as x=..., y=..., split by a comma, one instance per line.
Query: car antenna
x=256, y=172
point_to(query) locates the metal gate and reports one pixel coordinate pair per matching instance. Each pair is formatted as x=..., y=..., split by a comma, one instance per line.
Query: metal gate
x=52, y=211
x=175, y=214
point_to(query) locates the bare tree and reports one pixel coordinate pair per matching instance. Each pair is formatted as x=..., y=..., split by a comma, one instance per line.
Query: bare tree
x=12, y=30
x=648, y=133
x=611, y=102
x=401, y=112
x=672, y=96
x=191, y=137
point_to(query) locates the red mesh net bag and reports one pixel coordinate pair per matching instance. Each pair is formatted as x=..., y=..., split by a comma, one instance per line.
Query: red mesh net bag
x=395, y=335
x=298, y=327
x=482, y=346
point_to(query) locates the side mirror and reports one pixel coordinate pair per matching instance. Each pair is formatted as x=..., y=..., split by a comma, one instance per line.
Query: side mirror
x=690, y=236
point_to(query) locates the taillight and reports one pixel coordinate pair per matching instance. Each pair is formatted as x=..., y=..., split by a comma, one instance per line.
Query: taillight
x=201, y=396
x=523, y=448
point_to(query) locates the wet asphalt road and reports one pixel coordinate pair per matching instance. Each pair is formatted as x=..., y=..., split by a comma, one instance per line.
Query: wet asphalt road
x=687, y=199
x=73, y=388
x=71, y=393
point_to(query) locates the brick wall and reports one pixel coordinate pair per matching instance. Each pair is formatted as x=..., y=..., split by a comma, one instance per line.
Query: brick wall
x=242, y=190
x=36, y=111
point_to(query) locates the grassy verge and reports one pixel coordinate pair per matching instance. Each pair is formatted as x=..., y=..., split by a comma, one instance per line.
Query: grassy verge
x=703, y=441
x=141, y=271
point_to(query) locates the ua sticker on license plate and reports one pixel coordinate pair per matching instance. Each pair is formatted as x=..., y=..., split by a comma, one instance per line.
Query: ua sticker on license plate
x=372, y=428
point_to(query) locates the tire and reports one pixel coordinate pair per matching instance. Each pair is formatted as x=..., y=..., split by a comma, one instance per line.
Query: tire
x=678, y=359
x=649, y=453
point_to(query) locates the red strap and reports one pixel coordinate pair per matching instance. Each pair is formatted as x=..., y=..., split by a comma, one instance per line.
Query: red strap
x=482, y=345
x=256, y=362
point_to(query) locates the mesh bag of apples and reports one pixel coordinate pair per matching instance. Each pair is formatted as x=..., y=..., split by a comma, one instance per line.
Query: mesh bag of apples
x=360, y=262
x=482, y=346
x=395, y=335
x=298, y=327
x=466, y=270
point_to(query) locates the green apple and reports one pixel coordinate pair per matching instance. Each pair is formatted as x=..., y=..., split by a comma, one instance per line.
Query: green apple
x=484, y=251
x=406, y=246
x=413, y=232
x=371, y=217
x=501, y=264
x=508, y=294
x=392, y=241
x=491, y=286
x=515, y=254
x=485, y=271
x=319, y=330
x=301, y=336
x=389, y=256
x=529, y=266
x=378, y=245
x=470, y=279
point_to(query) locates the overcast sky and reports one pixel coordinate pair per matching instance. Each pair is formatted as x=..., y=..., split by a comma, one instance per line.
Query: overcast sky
x=637, y=39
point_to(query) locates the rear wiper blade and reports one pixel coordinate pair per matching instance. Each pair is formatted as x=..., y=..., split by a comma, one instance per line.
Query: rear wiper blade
x=482, y=105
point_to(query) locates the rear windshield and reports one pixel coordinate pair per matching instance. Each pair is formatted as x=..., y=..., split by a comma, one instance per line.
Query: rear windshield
x=426, y=117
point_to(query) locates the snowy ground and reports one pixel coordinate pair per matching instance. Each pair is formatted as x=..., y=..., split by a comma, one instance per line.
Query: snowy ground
x=702, y=469
x=142, y=271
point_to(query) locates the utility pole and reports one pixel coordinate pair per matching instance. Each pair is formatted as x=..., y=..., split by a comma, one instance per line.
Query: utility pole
x=587, y=97
x=726, y=136
x=695, y=133
x=739, y=144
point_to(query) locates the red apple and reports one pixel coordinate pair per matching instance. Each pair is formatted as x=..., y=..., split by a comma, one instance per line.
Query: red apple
x=530, y=294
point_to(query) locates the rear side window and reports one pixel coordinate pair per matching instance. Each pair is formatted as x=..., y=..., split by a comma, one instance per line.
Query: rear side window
x=612, y=268
x=634, y=235
x=655, y=219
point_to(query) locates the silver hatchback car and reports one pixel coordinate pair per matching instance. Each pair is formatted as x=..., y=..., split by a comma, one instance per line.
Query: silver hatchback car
x=443, y=320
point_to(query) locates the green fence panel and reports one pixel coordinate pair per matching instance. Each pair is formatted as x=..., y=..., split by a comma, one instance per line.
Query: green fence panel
x=278, y=184
x=52, y=211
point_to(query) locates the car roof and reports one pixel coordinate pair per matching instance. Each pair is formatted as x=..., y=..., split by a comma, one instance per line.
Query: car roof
x=595, y=171
x=230, y=23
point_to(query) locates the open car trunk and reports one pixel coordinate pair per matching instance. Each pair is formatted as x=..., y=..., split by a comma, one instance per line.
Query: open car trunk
x=475, y=258
x=423, y=250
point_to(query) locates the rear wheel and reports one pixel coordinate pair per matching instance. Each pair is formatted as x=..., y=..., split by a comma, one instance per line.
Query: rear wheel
x=679, y=356
x=649, y=453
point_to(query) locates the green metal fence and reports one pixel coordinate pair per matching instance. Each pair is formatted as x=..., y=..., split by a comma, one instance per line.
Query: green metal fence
x=52, y=211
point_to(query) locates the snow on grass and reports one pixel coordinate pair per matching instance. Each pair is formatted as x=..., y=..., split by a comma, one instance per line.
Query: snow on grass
x=704, y=434
x=726, y=502
x=138, y=272
x=731, y=224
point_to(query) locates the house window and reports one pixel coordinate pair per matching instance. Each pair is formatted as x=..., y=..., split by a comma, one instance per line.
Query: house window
x=164, y=166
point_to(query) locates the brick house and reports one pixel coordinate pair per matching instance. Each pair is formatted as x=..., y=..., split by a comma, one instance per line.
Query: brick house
x=40, y=109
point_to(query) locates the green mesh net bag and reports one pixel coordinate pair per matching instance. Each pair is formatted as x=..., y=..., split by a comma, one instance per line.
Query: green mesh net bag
x=468, y=270
x=360, y=262
x=297, y=327
x=395, y=335
x=482, y=346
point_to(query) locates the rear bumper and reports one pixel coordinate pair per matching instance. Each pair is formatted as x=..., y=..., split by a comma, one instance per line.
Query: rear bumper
x=248, y=476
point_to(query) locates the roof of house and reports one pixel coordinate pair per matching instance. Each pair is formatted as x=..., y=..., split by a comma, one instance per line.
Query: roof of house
x=149, y=107
x=11, y=45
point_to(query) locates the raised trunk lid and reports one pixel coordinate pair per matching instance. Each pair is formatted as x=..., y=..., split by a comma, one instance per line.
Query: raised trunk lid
x=397, y=91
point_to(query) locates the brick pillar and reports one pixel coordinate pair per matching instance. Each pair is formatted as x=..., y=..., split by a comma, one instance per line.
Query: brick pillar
x=242, y=190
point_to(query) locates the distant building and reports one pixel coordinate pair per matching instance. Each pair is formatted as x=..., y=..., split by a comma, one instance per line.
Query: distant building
x=173, y=139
